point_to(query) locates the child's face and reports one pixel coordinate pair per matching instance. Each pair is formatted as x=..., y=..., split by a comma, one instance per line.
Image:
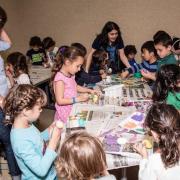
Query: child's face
x=34, y=113
x=162, y=51
x=112, y=35
x=131, y=56
x=146, y=55
x=75, y=66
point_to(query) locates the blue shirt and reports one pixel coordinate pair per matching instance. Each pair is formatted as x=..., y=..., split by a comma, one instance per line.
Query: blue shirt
x=3, y=81
x=28, y=146
x=132, y=62
x=144, y=65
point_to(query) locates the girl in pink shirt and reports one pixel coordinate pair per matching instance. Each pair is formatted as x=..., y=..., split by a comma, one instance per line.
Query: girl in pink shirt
x=68, y=63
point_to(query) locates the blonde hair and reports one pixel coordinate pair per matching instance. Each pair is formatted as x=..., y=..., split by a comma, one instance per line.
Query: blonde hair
x=81, y=157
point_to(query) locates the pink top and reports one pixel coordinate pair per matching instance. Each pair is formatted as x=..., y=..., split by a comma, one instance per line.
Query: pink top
x=70, y=90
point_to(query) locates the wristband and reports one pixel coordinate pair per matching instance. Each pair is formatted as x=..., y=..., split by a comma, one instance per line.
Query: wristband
x=74, y=100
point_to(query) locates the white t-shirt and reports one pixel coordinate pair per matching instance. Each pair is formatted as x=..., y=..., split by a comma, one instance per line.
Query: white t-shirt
x=153, y=169
x=23, y=79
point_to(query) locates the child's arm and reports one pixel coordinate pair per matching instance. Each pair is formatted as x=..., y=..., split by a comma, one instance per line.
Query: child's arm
x=38, y=164
x=82, y=89
x=59, y=95
x=148, y=75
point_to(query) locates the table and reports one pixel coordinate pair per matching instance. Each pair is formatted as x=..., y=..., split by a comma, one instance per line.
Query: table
x=40, y=77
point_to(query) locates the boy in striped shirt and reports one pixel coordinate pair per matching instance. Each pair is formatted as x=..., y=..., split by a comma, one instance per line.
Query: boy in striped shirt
x=149, y=63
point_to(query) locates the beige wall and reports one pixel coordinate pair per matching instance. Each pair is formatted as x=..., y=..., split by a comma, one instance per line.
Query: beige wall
x=80, y=20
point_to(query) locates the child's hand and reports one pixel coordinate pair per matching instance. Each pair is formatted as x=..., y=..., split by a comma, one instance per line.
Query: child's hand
x=101, y=71
x=8, y=72
x=124, y=74
x=103, y=76
x=55, y=138
x=95, y=91
x=83, y=98
x=146, y=74
x=141, y=149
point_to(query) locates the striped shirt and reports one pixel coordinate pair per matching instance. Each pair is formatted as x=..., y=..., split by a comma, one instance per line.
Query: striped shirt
x=144, y=65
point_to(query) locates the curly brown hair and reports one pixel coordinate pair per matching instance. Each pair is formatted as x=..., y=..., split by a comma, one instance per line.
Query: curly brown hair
x=81, y=157
x=21, y=97
x=164, y=119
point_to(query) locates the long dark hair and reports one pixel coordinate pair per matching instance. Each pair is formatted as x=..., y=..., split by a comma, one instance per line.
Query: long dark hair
x=167, y=79
x=103, y=37
x=19, y=63
x=165, y=121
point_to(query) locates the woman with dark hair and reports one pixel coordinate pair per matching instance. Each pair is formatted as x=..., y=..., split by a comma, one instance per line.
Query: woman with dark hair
x=110, y=40
x=163, y=122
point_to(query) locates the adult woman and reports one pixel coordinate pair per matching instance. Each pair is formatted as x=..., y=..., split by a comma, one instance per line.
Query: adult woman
x=111, y=41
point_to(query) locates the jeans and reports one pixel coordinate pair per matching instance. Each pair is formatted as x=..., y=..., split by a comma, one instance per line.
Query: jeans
x=5, y=140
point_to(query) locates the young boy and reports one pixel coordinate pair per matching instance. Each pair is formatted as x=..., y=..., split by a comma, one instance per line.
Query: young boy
x=163, y=45
x=149, y=62
x=36, y=54
x=83, y=77
x=130, y=52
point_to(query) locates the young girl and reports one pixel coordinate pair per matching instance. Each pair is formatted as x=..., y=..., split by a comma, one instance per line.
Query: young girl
x=163, y=123
x=65, y=87
x=82, y=158
x=23, y=107
x=167, y=85
x=110, y=40
x=17, y=69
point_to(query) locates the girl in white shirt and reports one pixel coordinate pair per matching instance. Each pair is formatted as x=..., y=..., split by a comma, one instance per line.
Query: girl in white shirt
x=163, y=122
x=17, y=69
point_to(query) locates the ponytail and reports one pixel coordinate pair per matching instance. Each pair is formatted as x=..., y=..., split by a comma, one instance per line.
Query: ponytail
x=168, y=143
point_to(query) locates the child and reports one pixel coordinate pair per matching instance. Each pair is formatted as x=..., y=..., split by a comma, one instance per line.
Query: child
x=163, y=45
x=149, y=62
x=36, y=54
x=163, y=123
x=130, y=52
x=17, y=69
x=50, y=49
x=64, y=84
x=23, y=107
x=83, y=77
x=99, y=62
x=167, y=85
x=5, y=44
x=82, y=157
x=110, y=40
